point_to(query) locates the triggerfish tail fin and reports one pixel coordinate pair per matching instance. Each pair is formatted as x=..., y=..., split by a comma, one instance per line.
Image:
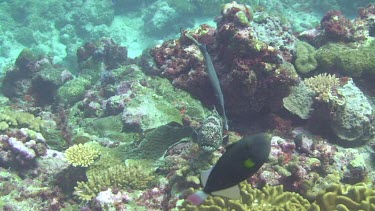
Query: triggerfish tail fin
x=197, y=198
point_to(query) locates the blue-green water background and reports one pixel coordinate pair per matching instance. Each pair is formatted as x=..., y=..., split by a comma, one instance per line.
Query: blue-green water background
x=59, y=27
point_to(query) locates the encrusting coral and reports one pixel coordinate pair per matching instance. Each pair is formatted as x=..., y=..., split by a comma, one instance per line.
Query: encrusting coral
x=334, y=197
x=15, y=119
x=131, y=176
x=266, y=199
x=81, y=155
x=322, y=85
x=346, y=197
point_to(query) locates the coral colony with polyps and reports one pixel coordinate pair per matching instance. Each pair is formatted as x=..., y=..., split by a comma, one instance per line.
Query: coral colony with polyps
x=187, y=105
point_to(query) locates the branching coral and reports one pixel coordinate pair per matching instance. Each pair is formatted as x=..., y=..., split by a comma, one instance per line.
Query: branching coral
x=131, y=176
x=322, y=85
x=81, y=155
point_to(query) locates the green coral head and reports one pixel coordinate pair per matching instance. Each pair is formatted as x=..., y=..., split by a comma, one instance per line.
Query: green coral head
x=81, y=155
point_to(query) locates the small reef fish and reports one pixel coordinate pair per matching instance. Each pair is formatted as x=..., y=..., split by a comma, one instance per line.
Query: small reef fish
x=212, y=76
x=241, y=160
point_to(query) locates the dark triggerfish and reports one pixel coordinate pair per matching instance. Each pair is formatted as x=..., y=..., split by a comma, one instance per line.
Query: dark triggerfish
x=240, y=161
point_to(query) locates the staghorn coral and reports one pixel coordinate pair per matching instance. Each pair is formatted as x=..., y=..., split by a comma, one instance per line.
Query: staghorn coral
x=268, y=198
x=81, y=155
x=322, y=85
x=346, y=197
x=133, y=176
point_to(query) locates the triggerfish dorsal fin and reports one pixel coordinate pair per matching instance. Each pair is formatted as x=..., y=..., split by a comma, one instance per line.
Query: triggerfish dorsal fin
x=231, y=192
x=204, y=176
x=229, y=146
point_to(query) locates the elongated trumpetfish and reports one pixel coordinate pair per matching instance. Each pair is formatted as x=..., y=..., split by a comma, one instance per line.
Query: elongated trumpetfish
x=212, y=76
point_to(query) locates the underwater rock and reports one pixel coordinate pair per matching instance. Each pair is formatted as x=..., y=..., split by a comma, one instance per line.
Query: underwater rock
x=336, y=27
x=105, y=52
x=353, y=61
x=352, y=120
x=299, y=101
x=253, y=74
x=305, y=58
x=33, y=79
x=157, y=141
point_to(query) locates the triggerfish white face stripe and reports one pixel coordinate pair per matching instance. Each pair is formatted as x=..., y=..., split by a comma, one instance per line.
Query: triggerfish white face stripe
x=240, y=161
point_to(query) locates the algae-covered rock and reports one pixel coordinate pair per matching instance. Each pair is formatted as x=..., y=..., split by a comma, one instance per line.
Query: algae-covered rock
x=73, y=91
x=16, y=119
x=305, y=58
x=299, y=101
x=353, y=117
x=155, y=142
x=148, y=112
x=349, y=60
x=110, y=127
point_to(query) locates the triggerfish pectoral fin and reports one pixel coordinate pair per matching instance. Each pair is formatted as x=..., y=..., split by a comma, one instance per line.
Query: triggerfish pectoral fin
x=231, y=193
x=204, y=176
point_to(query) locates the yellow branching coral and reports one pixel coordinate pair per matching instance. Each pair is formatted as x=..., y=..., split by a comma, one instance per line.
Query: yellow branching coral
x=266, y=199
x=322, y=85
x=81, y=155
x=133, y=176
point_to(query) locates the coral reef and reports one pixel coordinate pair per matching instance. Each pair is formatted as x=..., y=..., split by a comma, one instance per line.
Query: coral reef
x=144, y=116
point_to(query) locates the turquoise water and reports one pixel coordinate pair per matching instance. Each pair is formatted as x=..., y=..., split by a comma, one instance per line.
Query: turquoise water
x=111, y=105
